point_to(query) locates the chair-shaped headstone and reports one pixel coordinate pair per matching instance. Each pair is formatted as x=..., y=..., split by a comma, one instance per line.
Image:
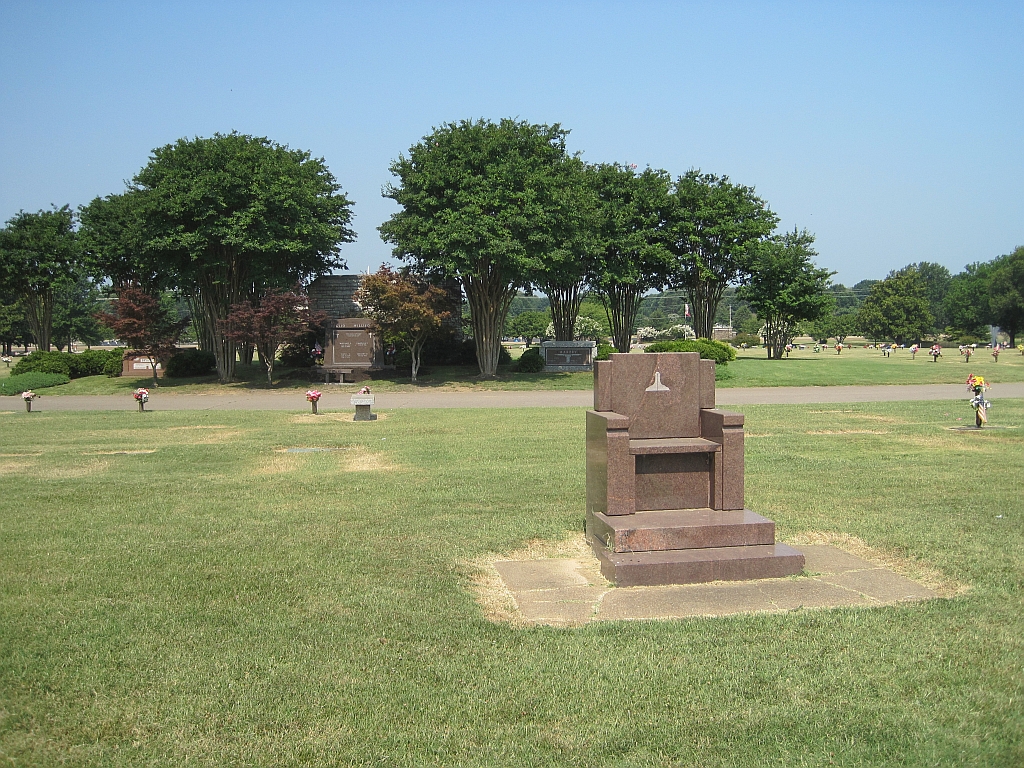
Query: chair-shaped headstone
x=665, y=478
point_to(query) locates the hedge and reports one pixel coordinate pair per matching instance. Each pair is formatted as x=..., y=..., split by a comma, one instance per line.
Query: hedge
x=708, y=349
x=15, y=385
x=92, y=362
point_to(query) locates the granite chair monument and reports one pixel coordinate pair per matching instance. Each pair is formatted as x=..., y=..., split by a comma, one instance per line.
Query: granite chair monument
x=665, y=478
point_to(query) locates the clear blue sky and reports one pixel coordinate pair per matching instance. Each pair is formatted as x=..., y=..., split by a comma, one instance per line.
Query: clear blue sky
x=893, y=131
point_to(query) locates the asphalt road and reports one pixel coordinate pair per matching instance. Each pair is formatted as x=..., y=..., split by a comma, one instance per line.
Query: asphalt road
x=338, y=400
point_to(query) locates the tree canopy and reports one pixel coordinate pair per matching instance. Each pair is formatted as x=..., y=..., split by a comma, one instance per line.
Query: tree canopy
x=785, y=288
x=633, y=258
x=897, y=308
x=715, y=227
x=227, y=219
x=480, y=202
x=1006, y=293
x=39, y=253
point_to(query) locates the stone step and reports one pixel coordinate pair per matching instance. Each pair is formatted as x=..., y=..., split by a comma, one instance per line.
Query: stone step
x=693, y=566
x=680, y=529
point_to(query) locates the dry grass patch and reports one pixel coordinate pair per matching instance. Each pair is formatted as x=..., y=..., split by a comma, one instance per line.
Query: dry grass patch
x=15, y=466
x=367, y=461
x=913, y=569
x=847, y=432
x=82, y=469
x=323, y=418
x=488, y=588
x=198, y=426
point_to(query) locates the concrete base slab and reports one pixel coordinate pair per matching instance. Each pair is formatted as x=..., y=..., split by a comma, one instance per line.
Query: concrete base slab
x=566, y=592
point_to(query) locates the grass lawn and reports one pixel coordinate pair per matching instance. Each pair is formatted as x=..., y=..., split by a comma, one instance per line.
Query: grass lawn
x=750, y=369
x=177, y=590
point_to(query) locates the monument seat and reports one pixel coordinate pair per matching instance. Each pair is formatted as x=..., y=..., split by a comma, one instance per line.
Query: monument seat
x=673, y=445
x=665, y=478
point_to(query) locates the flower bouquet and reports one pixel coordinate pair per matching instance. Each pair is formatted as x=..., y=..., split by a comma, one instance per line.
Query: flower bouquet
x=935, y=352
x=141, y=396
x=977, y=385
x=7, y=360
x=313, y=396
x=28, y=397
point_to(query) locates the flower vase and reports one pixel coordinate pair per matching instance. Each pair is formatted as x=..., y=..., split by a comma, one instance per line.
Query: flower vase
x=28, y=406
x=142, y=406
x=313, y=403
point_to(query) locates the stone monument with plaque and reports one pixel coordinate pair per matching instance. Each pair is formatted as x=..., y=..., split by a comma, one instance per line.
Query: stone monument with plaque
x=568, y=356
x=138, y=364
x=665, y=478
x=351, y=346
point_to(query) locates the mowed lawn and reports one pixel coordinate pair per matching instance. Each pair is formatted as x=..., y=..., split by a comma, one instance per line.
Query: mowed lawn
x=750, y=369
x=178, y=590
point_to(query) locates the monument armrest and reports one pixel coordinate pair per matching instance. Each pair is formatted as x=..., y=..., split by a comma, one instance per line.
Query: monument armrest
x=612, y=420
x=713, y=420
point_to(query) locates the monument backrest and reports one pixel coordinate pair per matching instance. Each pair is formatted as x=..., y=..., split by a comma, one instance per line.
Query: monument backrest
x=661, y=393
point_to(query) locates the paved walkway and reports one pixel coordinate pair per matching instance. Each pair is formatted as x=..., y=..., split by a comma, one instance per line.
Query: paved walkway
x=338, y=399
x=567, y=592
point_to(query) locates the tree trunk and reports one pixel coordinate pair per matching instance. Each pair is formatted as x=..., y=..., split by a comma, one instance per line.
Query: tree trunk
x=622, y=302
x=705, y=297
x=268, y=351
x=39, y=313
x=246, y=353
x=565, y=308
x=489, y=300
x=204, y=335
x=415, y=350
x=217, y=296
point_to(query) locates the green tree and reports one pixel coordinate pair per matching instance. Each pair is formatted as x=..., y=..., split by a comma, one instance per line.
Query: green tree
x=833, y=325
x=528, y=325
x=562, y=272
x=1006, y=293
x=39, y=253
x=936, y=280
x=897, y=308
x=231, y=217
x=12, y=322
x=480, y=202
x=76, y=305
x=715, y=228
x=966, y=303
x=633, y=258
x=784, y=287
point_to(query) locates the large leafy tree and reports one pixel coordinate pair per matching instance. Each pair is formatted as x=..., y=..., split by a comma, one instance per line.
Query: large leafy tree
x=715, y=229
x=228, y=218
x=966, y=303
x=1006, y=293
x=39, y=253
x=407, y=309
x=897, y=308
x=785, y=288
x=76, y=304
x=563, y=270
x=632, y=258
x=936, y=280
x=480, y=203
x=529, y=325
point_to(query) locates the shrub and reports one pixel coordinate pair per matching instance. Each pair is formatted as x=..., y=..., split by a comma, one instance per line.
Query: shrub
x=604, y=350
x=708, y=349
x=190, y=362
x=115, y=364
x=16, y=384
x=92, y=362
x=43, y=362
x=530, y=361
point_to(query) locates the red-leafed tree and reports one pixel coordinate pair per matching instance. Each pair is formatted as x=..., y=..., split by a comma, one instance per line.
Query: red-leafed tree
x=145, y=324
x=279, y=317
x=406, y=309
